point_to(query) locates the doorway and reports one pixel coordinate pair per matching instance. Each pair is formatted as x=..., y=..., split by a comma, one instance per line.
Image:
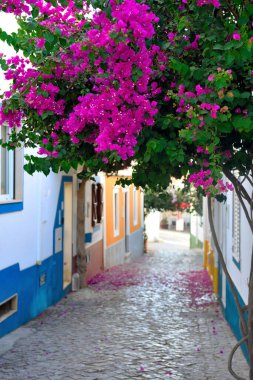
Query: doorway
x=68, y=234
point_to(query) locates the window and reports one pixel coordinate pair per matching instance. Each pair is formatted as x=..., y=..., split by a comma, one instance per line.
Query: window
x=97, y=204
x=236, y=228
x=116, y=211
x=11, y=176
x=94, y=205
x=8, y=307
x=142, y=207
x=6, y=168
x=135, y=194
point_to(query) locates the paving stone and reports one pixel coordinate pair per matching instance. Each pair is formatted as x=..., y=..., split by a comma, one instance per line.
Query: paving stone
x=140, y=322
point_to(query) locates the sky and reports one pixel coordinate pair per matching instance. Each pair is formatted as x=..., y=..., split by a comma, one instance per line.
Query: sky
x=9, y=25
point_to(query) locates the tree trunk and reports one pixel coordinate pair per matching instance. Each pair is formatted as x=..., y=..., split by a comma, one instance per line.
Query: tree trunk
x=81, y=256
x=250, y=327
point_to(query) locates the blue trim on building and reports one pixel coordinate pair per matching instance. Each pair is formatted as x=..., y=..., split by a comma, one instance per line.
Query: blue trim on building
x=237, y=263
x=59, y=216
x=11, y=207
x=33, y=298
x=37, y=287
x=230, y=311
x=88, y=237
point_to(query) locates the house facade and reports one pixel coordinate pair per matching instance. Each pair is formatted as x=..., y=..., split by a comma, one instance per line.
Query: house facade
x=236, y=240
x=37, y=240
x=94, y=226
x=38, y=228
x=38, y=235
x=123, y=221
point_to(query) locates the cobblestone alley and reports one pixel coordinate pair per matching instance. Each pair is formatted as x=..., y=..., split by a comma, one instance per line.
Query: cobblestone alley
x=152, y=319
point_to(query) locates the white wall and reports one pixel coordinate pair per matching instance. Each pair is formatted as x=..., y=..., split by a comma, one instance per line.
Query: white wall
x=97, y=232
x=8, y=24
x=152, y=224
x=240, y=275
x=27, y=236
x=197, y=226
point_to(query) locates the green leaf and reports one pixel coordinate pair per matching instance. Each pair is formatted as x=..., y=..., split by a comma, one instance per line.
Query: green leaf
x=35, y=11
x=180, y=67
x=92, y=57
x=242, y=123
x=245, y=95
x=218, y=47
x=225, y=127
x=243, y=20
x=63, y=41
x=66, y=166
x=49, y=37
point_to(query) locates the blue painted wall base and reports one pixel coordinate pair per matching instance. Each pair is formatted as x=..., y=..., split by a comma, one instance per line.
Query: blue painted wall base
x=33, y=298
x=230, y=312
x=39, y=286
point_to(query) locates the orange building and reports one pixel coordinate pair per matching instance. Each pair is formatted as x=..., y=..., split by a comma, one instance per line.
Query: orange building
x=113, y=223
x=123, y=222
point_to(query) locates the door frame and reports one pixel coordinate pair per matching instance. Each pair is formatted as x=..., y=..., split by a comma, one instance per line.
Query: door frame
x=68, y=234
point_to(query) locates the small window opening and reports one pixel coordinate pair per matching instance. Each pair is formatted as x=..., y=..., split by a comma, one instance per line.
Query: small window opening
x=8, y=307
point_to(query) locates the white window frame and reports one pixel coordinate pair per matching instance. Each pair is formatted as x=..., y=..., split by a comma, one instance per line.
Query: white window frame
x=9, y=167
x=142, y=207
x=116, y=212
x=135, y=206
x=236, y=228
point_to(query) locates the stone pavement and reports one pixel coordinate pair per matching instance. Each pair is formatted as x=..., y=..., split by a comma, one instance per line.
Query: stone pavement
x=152, y=319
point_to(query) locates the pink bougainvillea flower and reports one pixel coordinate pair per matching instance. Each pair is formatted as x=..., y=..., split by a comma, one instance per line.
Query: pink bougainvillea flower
x=75, y=140
x=236, y=36
x=40, y=43
x=205, y=163
x=227, y=154
x=171, y=36
x=210, y=78
x=200, y=149
x=215, y=3
x=54, y=154
x=8, y=94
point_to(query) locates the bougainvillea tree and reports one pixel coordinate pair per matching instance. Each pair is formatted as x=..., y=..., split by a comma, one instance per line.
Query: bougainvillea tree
x=83, y=89
x=204, y=127
x=168, y=83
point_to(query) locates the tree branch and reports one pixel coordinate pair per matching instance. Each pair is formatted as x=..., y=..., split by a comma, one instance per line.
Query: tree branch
x=232, y=10
x=231, y=355
x=244, y=208
x=235, y=182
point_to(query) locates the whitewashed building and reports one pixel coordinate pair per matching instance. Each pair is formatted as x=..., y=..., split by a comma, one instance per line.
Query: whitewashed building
x=37, y=240
x=37, y=230
x=236, y=240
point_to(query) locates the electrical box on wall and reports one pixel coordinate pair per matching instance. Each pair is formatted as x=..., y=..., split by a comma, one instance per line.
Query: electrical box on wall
x=42, y=279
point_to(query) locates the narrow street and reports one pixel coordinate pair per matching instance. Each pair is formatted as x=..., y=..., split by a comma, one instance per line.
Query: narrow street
x=155, y=318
